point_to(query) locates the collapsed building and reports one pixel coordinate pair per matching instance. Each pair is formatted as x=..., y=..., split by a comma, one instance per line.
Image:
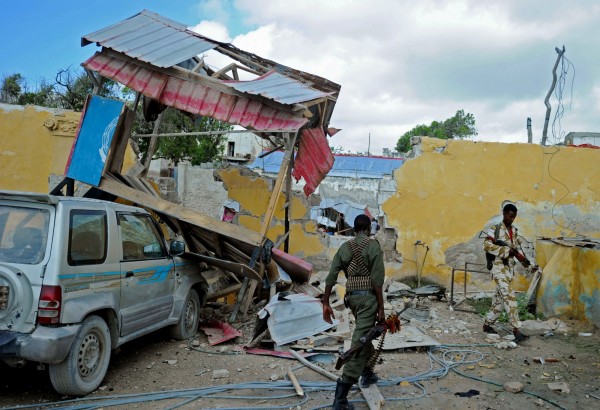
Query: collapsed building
x=163, y=62
x=443, y=197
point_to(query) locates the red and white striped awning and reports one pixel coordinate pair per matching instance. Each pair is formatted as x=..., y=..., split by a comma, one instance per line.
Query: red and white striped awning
x=194, y=97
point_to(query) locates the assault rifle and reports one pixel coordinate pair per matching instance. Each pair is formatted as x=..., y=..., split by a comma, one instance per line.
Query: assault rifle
x=391, y=324
x=520, y=256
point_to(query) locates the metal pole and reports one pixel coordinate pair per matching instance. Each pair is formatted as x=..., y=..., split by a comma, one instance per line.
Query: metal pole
x=369, y=147
x=288, y=200
x=152, y=145
x=548, y=107
x=529, y=135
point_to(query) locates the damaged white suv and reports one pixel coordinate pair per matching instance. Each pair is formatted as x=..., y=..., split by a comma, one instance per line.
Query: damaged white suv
x=80, y=277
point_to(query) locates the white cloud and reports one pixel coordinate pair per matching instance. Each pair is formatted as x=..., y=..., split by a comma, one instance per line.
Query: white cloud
x=403, y=63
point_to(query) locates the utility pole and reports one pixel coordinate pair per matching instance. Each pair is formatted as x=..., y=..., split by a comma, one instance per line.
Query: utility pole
x=548, y=108
x=529, y=136
x=369, y=147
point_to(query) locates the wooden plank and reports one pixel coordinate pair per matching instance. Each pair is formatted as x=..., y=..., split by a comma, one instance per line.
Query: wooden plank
x=135, y=170
x=114, y=162
x=316, y=368
x=238, y=301
x=224, y=292
x=288, y=199
x=295, y=383
x=249, y=296
x=232, y=249
x=189, y=216
x=281, y=239
x=278, y=185
x=373, y=397
x=531, y=291
x=236, y=268
x=151, y=189
x=152, y=145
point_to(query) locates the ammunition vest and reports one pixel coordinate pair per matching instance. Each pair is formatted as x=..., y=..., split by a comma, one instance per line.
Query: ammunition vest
x=358, y=273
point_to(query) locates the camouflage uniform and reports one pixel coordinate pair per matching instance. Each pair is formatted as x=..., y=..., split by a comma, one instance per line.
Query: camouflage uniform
x=502, y=272
x=363, y=307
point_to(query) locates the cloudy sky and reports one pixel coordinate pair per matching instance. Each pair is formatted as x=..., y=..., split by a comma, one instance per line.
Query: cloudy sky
x=400, y=63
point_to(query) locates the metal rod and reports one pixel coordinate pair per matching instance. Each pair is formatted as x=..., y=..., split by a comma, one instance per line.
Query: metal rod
x=207, y=133
x=264, y=154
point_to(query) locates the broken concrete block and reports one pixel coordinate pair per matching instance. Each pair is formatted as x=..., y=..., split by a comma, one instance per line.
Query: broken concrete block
x=560, y=387
x=506, y=345
x=397, y=287
x=322, y=340
x=513, y=387
x=220, y=374
x=541, y=327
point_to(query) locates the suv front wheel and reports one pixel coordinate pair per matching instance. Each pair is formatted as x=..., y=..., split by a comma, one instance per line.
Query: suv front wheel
x=189, y=318
x=85, y=366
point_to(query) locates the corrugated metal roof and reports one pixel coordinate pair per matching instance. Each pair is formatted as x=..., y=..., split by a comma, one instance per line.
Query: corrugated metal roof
x=344, y=165
x=192, y=97
x=164, y=43
x=151, y=38
x=279, y=88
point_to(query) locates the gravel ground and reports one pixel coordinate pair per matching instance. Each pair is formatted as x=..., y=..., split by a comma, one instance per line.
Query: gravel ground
x=156, y=363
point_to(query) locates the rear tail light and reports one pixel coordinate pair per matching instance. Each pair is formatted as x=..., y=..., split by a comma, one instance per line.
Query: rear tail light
x=49, y=305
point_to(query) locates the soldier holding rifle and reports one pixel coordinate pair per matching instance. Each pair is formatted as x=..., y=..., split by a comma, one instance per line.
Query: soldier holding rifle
x=361, y=258
x=501, y=251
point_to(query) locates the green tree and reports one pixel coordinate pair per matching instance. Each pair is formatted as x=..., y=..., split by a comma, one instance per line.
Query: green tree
x=11, y=88
x=196, y=149
x=459, y=126
x=68, y=90
x=73, y=86
x=14, y=90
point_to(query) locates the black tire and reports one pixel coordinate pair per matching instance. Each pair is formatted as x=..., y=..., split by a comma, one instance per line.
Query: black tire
x=187, y=325
x=85, y=366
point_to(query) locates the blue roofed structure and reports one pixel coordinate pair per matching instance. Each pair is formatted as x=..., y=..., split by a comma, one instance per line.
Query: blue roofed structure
x=350, y=166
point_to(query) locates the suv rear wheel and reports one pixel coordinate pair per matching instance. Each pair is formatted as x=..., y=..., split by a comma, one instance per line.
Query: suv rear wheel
x=189, y=318
x=85, y=366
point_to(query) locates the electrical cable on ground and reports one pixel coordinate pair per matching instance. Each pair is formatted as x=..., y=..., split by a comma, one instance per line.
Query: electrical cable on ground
x=442, y=359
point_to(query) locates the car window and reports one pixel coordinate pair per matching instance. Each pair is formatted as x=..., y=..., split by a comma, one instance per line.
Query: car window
x=141, y=239
x=87, y=237
x=23, y=234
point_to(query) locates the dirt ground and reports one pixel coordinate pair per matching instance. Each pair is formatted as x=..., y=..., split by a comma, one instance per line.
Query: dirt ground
x=156, y=365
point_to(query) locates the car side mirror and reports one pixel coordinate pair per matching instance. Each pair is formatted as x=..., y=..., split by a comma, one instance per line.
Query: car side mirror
x=177, y=248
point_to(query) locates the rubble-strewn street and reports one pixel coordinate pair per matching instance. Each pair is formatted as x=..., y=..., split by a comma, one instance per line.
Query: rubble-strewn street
x=561, y=367
x=181, y=225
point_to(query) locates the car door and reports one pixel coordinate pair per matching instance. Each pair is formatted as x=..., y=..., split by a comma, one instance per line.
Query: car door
x=147, y=273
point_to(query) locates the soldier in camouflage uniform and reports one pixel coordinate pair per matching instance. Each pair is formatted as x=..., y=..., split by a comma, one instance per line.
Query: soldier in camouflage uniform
x=361, y=259
x=503, y=271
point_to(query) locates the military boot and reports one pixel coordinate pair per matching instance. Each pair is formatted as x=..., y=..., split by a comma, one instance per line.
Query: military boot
x=368, y=377
x=341, y=396
x=519, y=337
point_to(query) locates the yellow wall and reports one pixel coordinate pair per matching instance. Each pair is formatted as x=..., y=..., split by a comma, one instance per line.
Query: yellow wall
x=253, y=195
x=570, y=282
x=453, y=189
x=35, y=143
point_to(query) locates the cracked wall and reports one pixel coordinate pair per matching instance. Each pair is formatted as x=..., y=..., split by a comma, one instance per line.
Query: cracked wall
x=453, y=189
x=35, y=144
x=252, y=192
